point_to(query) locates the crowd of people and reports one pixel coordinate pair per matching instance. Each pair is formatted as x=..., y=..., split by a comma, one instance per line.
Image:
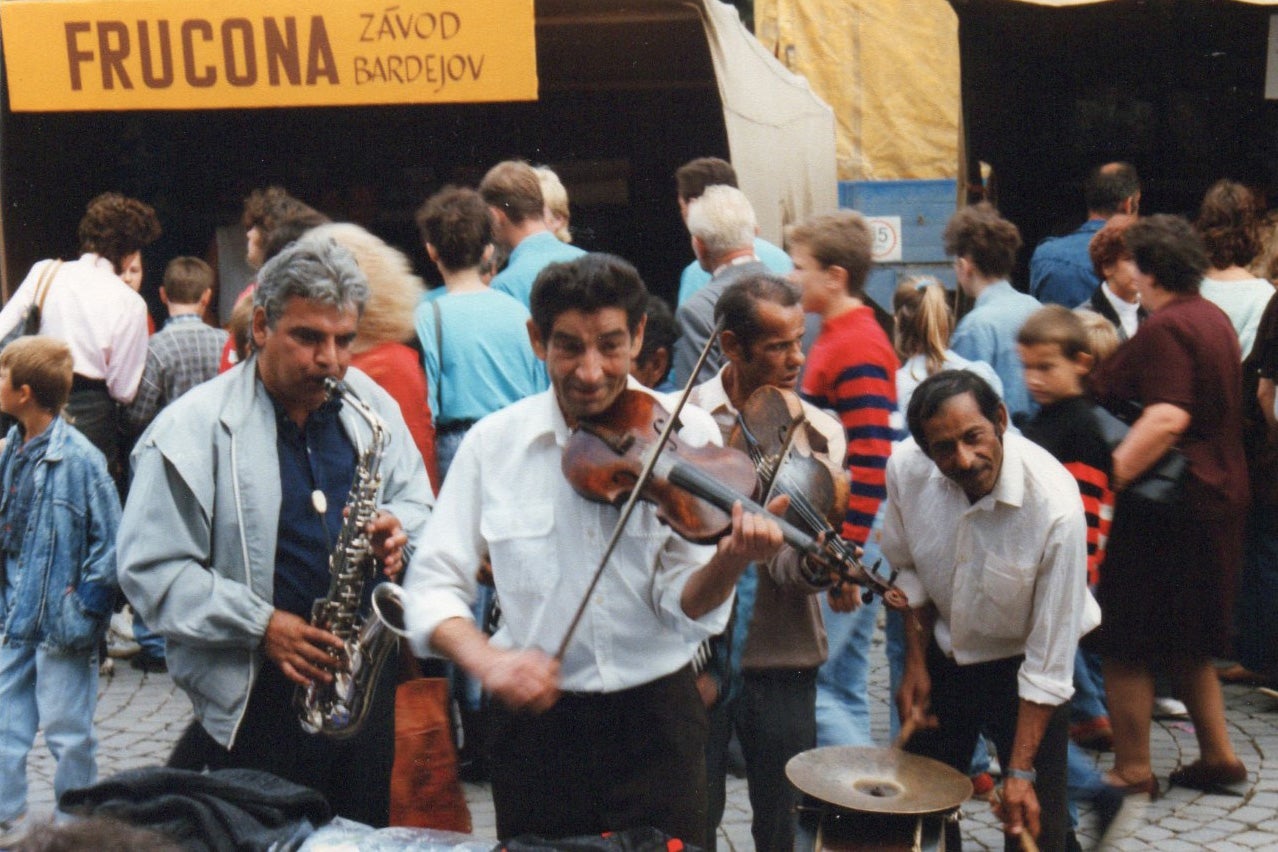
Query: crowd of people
x=1054, y=478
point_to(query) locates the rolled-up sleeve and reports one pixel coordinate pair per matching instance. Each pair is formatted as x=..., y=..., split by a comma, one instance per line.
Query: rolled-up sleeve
x=1060, y=606
x=895, y=546
x=440, y=582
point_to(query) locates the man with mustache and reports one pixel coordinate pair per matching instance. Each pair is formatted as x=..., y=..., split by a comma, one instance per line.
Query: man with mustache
x=779, y=638
x=610, y=734
x=237, y=502
x=988, y=533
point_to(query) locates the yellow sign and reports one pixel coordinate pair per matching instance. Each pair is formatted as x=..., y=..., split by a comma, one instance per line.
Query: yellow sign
x=71, y=55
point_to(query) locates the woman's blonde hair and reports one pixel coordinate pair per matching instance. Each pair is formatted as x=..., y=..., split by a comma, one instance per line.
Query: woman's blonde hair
x=924, y=321
x=394, y=290
x=555, y=198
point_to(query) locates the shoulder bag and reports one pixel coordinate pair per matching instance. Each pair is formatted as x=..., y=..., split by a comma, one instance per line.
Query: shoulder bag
x=30, y=322
x=1165, y=481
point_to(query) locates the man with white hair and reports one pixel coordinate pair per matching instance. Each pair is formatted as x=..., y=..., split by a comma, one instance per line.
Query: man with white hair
x=722, y=224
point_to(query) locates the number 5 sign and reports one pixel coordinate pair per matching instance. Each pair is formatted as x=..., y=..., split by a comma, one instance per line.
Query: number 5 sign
x=887, y=237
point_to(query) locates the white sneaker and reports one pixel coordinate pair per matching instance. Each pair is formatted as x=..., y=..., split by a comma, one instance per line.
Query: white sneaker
x=1170, y=708
x=13, y=830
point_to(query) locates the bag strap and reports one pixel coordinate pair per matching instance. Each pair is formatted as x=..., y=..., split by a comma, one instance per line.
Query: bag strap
x=439, y=348
x=46, y=281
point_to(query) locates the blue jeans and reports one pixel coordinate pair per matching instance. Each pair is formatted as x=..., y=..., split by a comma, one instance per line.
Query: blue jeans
x=843, y=707
x=1089, y=689
x=152, y=643
x=446, y=444
x=1082, y=780
x=41, y=688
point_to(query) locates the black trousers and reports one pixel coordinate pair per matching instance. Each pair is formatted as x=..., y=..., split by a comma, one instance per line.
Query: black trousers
x=982, y=698
x=91, y=410
x=603, y=762
x=352, y=774
x=776, y=719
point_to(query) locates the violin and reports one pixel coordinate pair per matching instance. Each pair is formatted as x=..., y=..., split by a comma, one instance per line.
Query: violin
x=604, y=459
x=772, y=430
x=607, y=455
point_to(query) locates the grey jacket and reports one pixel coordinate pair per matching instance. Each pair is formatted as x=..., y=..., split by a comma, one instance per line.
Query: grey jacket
x=197, y=539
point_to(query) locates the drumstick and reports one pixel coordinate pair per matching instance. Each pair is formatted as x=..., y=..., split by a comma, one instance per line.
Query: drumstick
x=907, y=730
x=1028, y=844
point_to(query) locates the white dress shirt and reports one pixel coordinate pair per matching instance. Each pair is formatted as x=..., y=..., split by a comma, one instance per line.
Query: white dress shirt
x=1128, y=312
x=1008, y=573
x=506, y=495
x=96, y=314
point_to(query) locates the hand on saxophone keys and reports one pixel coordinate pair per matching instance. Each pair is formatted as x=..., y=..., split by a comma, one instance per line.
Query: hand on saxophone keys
x=301, y=651
x=388, y=539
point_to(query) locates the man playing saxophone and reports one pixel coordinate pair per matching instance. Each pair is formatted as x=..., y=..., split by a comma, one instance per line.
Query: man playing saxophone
x=236, y=505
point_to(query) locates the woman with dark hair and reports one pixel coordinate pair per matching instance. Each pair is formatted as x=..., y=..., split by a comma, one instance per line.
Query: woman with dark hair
x=1229, y=223
x=90, y=307
x=1170, y=571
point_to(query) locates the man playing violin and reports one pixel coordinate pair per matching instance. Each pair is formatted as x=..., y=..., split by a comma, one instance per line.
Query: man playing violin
x=612, y=734
x=779, y=639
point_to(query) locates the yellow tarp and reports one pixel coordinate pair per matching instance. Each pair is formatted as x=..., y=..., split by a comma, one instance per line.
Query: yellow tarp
x=890, y=70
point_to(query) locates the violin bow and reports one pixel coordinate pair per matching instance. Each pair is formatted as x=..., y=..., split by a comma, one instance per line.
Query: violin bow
x=645, y=474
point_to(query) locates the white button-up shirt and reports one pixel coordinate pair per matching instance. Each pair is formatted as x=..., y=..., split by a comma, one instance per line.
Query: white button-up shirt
x=1008, y=573
x=506, y=495
x=101, y=319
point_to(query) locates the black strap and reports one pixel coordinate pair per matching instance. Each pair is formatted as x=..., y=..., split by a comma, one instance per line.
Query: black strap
x=439, y=349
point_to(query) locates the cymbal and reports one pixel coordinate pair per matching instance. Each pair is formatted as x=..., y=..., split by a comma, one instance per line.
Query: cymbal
x=878, y=780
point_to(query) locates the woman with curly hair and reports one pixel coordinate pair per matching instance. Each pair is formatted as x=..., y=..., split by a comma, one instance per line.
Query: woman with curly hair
x=89, y=306
x=1167, y=586
x=1229, y=223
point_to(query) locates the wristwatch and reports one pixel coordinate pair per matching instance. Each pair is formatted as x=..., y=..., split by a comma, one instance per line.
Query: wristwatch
x=1023, y=774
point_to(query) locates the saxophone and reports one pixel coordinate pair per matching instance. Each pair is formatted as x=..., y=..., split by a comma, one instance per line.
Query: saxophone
x=338, y=709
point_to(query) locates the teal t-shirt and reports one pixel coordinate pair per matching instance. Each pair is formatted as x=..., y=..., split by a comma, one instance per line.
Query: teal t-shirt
x=488, y=361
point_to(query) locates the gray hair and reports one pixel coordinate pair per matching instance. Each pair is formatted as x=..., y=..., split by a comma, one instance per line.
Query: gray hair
x=723, y=219
x=313, y=268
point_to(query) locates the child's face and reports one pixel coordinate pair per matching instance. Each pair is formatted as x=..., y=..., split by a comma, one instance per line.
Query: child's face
x=1049, y=375
x=8, y=394
x=811, y=277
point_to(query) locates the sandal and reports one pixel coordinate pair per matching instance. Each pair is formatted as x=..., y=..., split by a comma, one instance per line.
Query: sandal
x=1148, y=787
x=1226, y=780
x=1237, y=673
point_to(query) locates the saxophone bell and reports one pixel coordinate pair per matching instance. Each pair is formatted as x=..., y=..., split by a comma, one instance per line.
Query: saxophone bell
x=388, y=605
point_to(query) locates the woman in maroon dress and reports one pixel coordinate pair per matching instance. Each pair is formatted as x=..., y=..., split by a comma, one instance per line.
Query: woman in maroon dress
x=1169, y=575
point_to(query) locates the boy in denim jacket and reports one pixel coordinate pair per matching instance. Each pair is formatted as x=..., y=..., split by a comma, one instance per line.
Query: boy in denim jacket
x=58, y=518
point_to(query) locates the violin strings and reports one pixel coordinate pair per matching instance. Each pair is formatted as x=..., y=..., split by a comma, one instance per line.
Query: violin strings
x=811, y=515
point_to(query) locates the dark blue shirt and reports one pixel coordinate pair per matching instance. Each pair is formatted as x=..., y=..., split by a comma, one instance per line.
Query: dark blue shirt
x=1061, y=269
x=19, y=490
x=319, y=455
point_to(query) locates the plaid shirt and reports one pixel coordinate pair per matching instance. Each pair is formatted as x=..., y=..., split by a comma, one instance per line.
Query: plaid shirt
x=179, y=357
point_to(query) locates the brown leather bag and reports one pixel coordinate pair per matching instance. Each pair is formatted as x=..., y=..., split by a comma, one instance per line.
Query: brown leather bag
x=425, y=792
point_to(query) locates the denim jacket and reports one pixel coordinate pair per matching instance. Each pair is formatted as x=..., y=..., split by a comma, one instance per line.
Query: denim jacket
x=66, y=585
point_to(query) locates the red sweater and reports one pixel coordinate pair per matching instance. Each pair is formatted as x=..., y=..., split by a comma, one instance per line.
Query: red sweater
x=851, y=371
x=398, y=369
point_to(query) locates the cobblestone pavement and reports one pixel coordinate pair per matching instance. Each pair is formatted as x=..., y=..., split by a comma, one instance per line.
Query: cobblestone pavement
x=139, y=716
